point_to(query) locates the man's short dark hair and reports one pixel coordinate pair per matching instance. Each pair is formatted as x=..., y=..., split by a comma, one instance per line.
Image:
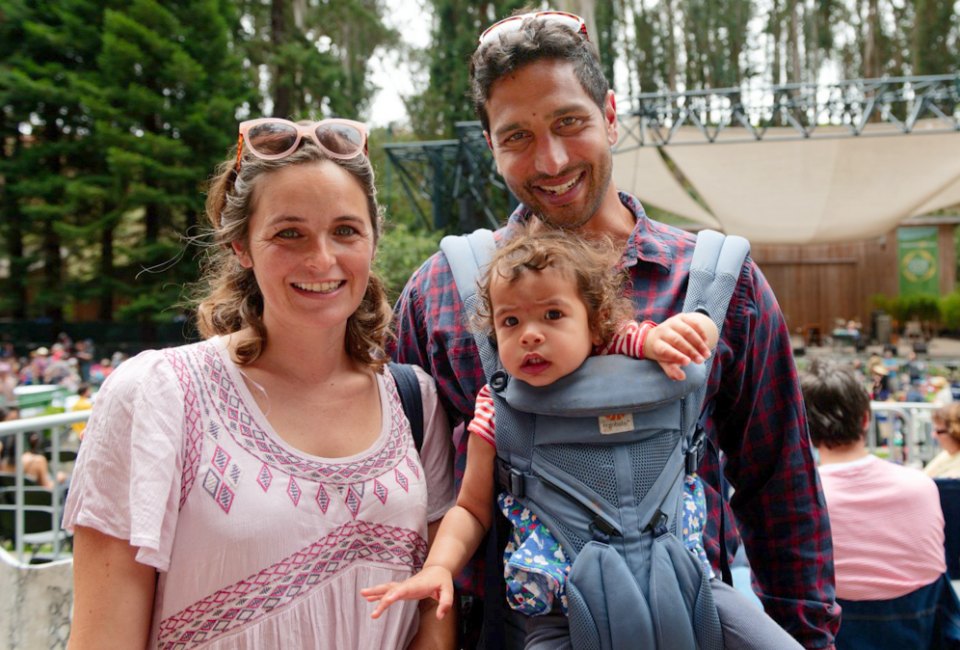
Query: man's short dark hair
x=537, y=40
x=836, y=402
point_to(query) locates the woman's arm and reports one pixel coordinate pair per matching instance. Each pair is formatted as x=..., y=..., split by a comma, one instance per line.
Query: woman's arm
x=112, y=593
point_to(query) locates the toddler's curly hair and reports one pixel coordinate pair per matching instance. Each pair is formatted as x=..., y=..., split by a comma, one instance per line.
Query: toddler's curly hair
x=588, y=263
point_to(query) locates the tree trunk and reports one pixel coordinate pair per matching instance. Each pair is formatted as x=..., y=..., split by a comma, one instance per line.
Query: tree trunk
x=282, y=101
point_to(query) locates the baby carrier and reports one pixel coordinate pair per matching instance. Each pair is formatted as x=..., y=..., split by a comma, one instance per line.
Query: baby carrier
x=600, y=457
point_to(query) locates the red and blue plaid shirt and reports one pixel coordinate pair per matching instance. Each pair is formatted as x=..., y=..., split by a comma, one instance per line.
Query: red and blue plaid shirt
x=756, y=420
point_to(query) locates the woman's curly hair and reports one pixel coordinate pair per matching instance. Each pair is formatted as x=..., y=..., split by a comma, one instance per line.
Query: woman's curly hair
x=588, y=263
x=229, y=298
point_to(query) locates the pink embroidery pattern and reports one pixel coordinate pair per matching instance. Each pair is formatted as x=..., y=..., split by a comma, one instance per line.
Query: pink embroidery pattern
x=193, y=436
x=249, y=600
x=244, y=428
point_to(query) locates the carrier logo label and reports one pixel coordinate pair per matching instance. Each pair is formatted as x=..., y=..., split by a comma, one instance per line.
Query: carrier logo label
x=616, y=423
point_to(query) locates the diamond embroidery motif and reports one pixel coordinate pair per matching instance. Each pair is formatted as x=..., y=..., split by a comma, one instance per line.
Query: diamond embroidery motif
x=225, y=498
x=323, y=499
x=413, y=467
x=294, y=491
x=264, y=477
x=380, y=491
x=211, y=482
x=402, y=479
x=220, y=459
x=354, y=499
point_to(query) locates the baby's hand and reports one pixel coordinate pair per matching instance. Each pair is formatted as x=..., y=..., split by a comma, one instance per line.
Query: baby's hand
x=432, y=582
x=679, y=340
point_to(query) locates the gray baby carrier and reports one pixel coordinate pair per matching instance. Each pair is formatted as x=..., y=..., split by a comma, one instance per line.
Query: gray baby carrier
x=600, y=457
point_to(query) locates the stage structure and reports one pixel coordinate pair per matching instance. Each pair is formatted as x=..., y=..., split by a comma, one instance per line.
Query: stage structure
x=799, y=163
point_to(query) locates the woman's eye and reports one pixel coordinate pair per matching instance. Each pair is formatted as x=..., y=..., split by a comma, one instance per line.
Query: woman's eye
x=554, y=314
x=345, y=231
x=288, y=233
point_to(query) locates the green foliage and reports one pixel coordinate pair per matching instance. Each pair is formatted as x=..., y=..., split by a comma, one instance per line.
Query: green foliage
x=950, y=311
x=401, y=251
x=904, y=308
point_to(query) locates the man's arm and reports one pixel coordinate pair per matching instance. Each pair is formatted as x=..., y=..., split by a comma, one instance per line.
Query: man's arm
x=761, y=427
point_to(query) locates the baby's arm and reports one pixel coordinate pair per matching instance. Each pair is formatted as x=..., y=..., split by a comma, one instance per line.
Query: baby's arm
x=461, y=531
x=677, y=341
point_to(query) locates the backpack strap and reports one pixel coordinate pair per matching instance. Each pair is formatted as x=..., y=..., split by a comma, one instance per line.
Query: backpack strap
x=468, y=256
x=410, y=398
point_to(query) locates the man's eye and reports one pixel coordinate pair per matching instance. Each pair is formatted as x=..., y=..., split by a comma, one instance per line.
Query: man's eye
x=553, y=314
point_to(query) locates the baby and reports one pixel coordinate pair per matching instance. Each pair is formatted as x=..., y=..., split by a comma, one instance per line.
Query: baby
x=550, y=300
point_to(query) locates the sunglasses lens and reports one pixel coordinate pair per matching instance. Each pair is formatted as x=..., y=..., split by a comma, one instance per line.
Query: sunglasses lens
x=271, y=138
x=342, y=139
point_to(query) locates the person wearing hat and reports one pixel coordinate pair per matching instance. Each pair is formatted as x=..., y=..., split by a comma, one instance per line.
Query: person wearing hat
x=880, y=391
x=946, y=427
x=943, y=394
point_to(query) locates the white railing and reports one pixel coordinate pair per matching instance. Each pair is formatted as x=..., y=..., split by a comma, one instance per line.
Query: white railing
x=903, y=432
x=20, y=429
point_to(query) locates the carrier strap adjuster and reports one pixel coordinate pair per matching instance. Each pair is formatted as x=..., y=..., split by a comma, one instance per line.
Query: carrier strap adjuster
x=696, y=450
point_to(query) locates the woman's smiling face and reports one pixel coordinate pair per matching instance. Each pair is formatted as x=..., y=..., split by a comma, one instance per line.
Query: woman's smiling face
x=310, y=245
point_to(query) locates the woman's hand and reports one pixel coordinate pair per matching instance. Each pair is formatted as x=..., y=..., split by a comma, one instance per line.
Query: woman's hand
x=432, y=582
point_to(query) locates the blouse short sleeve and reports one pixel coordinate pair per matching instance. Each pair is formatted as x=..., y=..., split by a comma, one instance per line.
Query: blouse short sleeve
x=436, y=456
x=126, y=482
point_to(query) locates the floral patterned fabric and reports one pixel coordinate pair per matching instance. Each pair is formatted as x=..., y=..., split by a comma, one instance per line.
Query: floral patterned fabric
x=536, y=568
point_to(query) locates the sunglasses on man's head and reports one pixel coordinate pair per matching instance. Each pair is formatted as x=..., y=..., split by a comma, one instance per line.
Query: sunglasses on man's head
x=272, y=138
x=514, y=23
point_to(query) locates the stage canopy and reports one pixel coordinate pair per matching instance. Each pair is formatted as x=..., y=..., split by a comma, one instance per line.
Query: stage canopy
x=784, y=189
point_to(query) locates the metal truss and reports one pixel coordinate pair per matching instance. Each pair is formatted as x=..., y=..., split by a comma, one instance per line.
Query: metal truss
x=458, y=178
x=859, y=107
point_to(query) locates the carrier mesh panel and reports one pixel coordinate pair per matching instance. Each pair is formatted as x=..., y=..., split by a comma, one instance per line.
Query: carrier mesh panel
x=592, y=464
x=572, y=534
x=583, y=630
x=647, y=459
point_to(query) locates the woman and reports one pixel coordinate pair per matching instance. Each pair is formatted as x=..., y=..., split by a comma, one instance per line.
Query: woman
x=946, y=426
x=237, y=492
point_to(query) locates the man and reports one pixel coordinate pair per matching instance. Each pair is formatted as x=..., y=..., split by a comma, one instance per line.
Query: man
x=550, y=120
x=886, y=520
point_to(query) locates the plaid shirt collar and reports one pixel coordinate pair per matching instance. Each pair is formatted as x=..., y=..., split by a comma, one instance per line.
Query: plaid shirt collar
x=647, y=243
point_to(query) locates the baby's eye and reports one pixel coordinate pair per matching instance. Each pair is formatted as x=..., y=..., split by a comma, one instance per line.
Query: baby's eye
x=509, y=321
x=553, y=314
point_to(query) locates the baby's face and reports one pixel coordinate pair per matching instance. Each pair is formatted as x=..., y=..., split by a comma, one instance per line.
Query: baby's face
x=542, y=326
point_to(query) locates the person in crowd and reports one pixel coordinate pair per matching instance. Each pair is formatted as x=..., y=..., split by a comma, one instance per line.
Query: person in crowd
x=550, y=120
x=83, y=403
x=550, y=301
x=83, y=353
x=36, y=467
x=880, y=387
x=946, y=427
x=235, y=492
x=8, y=382
x=886, y=520
x=942, y=393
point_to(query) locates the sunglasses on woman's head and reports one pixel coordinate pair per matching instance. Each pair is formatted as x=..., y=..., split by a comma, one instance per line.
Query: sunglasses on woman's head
x=514, y=23
x=272, y=138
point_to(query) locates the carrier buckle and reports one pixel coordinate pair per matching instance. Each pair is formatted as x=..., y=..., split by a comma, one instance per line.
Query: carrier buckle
x=510, y=479
x=695, y=451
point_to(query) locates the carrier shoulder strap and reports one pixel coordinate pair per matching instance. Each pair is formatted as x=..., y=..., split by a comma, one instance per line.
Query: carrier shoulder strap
x=410, y=398
x=468, y=256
